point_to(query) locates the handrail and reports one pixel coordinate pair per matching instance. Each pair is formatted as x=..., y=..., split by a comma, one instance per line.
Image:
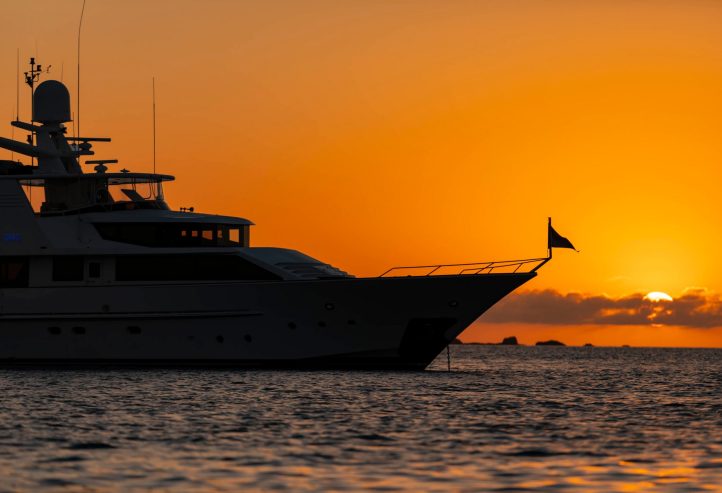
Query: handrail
x=474, y=268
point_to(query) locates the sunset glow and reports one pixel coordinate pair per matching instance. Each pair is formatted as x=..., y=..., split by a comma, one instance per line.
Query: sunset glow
x=374, y=134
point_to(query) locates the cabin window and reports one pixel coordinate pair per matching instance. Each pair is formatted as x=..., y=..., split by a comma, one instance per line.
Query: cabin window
x=175, y=234
x=188, y=268
x=94, y=270
x=68, y=268
x=13, y=272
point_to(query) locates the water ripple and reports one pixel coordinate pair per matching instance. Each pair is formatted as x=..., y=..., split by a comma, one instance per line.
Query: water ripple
x=506, y=419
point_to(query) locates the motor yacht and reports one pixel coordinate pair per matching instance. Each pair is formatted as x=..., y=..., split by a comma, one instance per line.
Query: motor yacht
x=97, y=269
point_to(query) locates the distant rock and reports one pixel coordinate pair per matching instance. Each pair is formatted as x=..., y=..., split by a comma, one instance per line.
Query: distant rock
x=456, y=341
x=550, y=342
x=508, y=341
x=625, y=345
x=589, y=344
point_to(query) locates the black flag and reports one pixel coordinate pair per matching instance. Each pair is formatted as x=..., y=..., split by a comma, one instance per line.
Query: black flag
x=558, y=241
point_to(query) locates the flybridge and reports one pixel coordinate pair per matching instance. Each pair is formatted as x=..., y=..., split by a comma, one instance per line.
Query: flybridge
x=61, y=186
x=95, y=192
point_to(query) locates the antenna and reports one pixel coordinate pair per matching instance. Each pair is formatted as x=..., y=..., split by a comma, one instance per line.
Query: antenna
x=12, y=136
x=17, y=90
x=17, y=101
x=31, y=77
x=77, y=96
x=153, y=125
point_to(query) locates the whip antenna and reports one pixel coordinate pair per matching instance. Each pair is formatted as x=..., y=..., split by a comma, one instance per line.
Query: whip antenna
x=12, y=136
x=17, y=90
x=153, y=125
x=17, y=102
x=77, y=96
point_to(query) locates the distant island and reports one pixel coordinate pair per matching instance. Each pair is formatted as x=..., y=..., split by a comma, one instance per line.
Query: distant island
x=513, y=341
x=550, y=342
x=507, y=341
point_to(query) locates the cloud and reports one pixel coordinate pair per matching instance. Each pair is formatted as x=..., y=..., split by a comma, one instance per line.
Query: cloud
x=696, y=307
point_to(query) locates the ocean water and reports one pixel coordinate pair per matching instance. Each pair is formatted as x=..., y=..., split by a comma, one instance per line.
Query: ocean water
x=505, y=419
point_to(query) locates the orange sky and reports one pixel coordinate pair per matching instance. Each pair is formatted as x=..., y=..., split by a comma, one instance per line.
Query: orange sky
x=372, y=133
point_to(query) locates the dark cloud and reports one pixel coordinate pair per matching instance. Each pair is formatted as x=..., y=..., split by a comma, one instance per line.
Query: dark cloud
x=695, y=308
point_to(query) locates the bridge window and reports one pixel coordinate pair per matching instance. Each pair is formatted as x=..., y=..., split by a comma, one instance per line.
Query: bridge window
x=175, y=234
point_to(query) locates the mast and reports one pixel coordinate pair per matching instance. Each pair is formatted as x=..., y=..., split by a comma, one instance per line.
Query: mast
x=77, y=96
x=153, y=125
x=31, y=77
x=549, y=239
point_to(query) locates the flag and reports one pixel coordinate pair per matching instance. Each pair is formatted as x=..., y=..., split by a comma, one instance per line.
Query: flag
x=558, y=241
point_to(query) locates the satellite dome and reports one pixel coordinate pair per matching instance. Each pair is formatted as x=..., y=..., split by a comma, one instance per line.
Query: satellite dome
x=51, y=103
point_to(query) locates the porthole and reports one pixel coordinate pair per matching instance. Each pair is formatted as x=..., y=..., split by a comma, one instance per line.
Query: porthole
x=248, y=338
x=453, y=303
x=291, y=325
x=54, y=330
x=79, y=330
x=352, y=322
x=329, y=306
x=134, y=329
x=321, y=323
x=219, y=339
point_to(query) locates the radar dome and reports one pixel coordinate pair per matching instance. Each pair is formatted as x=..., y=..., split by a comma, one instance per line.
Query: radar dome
x=51, y=103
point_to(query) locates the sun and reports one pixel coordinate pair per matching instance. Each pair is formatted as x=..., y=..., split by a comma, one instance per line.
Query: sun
x=658, y=296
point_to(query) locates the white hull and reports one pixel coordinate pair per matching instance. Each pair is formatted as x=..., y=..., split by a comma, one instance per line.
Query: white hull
x=400, y=322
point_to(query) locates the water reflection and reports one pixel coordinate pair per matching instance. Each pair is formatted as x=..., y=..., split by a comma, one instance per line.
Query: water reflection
x=580, y=419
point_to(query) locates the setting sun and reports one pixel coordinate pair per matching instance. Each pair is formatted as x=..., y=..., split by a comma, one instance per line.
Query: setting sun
x=658, y=296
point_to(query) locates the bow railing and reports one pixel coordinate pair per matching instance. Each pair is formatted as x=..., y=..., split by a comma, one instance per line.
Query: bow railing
x=475, y=268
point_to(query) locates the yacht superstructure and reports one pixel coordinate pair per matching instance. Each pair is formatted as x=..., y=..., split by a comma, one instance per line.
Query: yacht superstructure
x=95, y=268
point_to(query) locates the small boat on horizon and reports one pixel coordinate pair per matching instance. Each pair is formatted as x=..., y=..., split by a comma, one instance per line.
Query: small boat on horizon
x=97, y=269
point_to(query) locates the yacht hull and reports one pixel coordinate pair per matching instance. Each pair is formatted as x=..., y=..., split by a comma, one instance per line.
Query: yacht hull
x=367, y=323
